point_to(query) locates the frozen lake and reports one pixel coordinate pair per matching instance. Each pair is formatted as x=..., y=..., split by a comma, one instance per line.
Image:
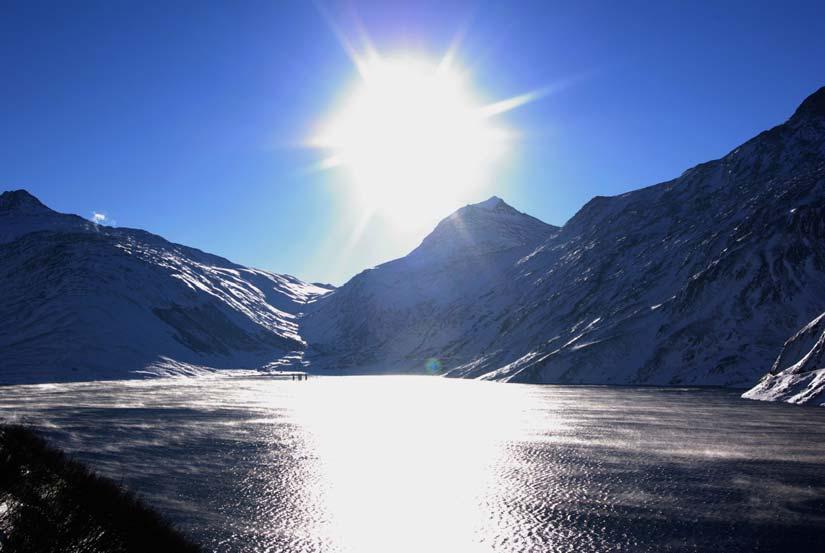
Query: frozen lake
x=423, y=464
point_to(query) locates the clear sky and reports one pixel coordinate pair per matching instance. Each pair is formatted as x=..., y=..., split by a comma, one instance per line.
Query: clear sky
x=190, y=119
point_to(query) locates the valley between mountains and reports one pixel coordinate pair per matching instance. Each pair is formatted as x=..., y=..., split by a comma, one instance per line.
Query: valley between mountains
x=716, y=277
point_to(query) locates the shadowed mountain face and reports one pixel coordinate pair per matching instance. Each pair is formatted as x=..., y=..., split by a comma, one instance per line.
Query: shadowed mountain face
x=438, y=299
x=698, y=280
x=82, y=300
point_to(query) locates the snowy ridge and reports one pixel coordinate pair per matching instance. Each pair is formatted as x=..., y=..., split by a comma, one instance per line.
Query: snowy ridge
x=86, y=301
x=394, y=317
x=698, y=280
x=480, y=229
x=798, y=374
x=693, y=281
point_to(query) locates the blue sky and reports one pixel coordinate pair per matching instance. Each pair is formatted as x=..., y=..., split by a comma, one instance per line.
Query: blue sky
x=188, y=118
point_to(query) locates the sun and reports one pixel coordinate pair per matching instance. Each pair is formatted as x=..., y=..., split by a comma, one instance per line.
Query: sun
x=412, y=137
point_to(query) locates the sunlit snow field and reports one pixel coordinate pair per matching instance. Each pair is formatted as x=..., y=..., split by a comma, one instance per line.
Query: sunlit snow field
x=376, y=464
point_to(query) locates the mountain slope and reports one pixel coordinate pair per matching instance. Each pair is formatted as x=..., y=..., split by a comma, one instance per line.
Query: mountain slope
x=87, y=301
x=53, y=504
x=798, y=374
x=698, y=280
x=398, y=315
x=693, y=281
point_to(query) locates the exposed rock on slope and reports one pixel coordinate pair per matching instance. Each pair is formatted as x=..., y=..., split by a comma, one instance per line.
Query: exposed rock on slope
x=698, y=280
x=436, y=299
x=82, y=300
x=798, y=374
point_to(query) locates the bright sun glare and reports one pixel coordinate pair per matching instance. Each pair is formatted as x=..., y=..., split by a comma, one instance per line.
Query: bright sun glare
x=413, y=137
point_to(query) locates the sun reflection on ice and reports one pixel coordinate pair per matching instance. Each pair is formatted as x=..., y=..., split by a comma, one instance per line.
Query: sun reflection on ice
x=384, y=460
x=365, y=464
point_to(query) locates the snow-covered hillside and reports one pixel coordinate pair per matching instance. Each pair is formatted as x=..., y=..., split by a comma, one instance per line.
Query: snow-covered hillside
x=82, y=300
x=698, y=280
x=398, y=315
x=798, y=374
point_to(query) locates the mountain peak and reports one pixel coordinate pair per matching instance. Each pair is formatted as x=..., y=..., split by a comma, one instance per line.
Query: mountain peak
x=488, y=226
x=20, y=201
x=812, y=106
x=491, y=203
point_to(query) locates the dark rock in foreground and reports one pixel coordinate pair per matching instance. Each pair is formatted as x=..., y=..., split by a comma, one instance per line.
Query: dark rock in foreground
x=49, y=503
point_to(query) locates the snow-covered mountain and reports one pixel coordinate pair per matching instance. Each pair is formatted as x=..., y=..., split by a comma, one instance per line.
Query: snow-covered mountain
x=698, y=280
x=82, y=300
x=397, y=316
x=798, y=374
